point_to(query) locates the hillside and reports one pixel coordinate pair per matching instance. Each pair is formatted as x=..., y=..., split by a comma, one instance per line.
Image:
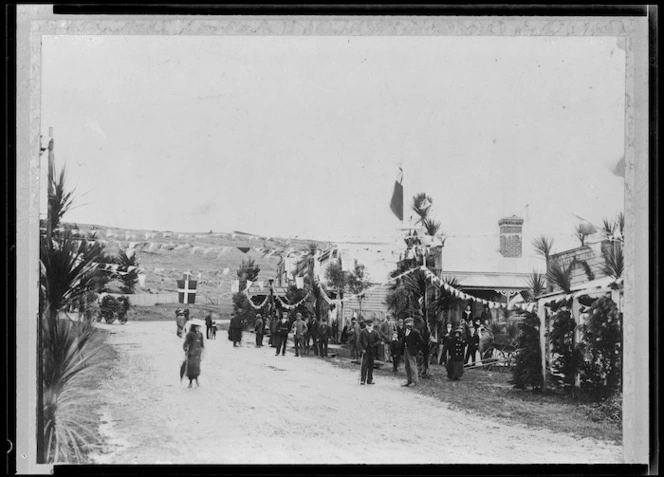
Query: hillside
x=163, y=256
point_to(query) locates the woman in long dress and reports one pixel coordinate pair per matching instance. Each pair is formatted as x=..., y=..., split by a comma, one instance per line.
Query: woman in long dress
x=193, y=348
x=456, y=349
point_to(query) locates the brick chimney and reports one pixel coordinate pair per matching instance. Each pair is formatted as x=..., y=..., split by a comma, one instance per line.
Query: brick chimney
x=510, y=236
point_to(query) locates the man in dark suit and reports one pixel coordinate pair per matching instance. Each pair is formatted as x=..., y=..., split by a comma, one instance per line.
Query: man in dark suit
x=411, y=345
x=324, y=331
x=370, y=343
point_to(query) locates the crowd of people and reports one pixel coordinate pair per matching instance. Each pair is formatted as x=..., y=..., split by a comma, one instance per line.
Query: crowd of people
x=386, y=339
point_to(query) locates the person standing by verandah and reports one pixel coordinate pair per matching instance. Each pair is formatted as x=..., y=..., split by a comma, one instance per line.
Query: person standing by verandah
x=412, y=344
x=299, y=328
x=283, y=328
x=446, y=339
x=353, y=336
x=259, y=329
x=193, y=348
x=386, y=337
x=370, y=343
x=324, y=331
x=455, y=362
x=473, y=346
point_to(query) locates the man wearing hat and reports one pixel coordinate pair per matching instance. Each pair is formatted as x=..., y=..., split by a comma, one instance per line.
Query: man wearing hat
x=370, y=343
x=455, y=363
x=411, y=345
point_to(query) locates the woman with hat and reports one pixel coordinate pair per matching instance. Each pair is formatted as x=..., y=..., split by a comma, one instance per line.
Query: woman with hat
x=193, y=348
x=456, y=348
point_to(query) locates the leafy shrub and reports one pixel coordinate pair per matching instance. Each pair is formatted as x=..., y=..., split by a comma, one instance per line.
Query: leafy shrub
x=607, y=410
x=567, y=358
x=68, y=349
x=602, y=347
x=528, y=369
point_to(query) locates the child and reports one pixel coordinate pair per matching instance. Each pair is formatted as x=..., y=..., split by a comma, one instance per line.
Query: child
x=395, y=351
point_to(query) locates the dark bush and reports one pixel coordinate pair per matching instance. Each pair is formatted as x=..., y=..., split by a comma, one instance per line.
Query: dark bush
x=528, y=369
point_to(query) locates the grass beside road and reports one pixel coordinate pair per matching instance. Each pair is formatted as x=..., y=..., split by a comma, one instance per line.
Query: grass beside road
x=489, y=394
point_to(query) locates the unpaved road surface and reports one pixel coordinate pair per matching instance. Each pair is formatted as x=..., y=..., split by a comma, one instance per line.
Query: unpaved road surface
x=255, y=408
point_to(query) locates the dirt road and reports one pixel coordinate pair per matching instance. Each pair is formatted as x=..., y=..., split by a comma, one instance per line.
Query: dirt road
x=253, y=407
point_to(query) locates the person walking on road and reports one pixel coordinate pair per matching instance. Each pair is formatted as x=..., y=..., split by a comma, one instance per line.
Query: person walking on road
x=411, y=345
x=236, y=330
x=283, y=328
x=193, y=348
x=299, y=328
x=179, y=321
x=324, y=331
x=274, y=322
x=370, y=344
x=208, y=326
x=314, y=334
x=259, y=329
x=395, y=351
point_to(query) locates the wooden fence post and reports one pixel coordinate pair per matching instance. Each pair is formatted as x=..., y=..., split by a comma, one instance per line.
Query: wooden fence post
x=541, y=313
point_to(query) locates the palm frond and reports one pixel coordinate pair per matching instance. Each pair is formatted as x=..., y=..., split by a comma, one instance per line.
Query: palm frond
x=607, y=229
x=614, y=261
x=60, y=200
x=620, y=223
x=432, y=226
x=560, y=276
x=421, y=205
x=536, y=283
x=67, y=269
x=543, y=246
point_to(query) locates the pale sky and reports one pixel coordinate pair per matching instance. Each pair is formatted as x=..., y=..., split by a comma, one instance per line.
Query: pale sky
x=302, y=136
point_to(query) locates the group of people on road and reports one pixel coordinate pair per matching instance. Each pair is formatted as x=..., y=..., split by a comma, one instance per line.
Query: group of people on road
x=309, y=335
x=389, y=340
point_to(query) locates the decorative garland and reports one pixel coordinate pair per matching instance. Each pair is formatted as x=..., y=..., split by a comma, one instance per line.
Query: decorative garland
x=259, y=306
x=290, y=307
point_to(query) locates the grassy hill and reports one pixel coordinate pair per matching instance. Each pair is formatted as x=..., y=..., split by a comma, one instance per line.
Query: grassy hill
x=165, y=255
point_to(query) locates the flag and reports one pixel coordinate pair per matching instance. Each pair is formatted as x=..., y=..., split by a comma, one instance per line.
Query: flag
x=396, y=204
x=235, y=286
x=187, y=291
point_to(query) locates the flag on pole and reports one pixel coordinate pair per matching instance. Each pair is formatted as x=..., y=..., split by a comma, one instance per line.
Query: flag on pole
x=187, y=291
x=396, y=204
